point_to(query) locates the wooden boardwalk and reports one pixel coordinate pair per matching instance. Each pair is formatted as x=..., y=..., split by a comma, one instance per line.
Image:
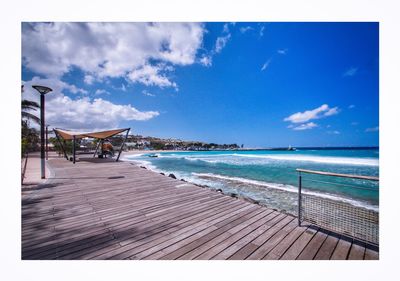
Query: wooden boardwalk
x=116, y=210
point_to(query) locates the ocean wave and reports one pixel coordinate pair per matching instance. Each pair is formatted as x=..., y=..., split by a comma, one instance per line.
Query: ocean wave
x=239, y=159
x=318, y=159
x=289, y=188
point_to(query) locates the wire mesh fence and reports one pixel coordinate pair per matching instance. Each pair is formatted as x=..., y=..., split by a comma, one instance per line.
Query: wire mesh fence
x=339, y=216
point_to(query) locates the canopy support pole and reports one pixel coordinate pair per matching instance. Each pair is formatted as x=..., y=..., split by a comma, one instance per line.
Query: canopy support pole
x=97, y=148
x=123, y=143
x=62, y=147
x=73, y=149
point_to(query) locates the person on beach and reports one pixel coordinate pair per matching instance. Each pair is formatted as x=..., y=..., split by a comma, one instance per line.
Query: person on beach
x=107, y=148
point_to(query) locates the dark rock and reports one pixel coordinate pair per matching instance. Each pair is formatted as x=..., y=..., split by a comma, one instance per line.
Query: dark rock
x=251, y=200
x=219, y=190
x=183, y=180
x=162, y=174
x=172, y=176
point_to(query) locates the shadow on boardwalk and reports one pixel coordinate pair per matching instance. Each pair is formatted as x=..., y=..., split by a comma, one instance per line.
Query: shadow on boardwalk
x=115, y=210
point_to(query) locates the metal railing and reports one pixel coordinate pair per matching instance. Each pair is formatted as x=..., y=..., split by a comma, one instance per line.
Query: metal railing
x=338, y=215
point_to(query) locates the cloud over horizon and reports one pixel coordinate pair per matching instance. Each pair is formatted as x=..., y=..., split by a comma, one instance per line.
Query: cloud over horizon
x=143, y=53
x=317, y=113
x=81, y=112
x=100, y=50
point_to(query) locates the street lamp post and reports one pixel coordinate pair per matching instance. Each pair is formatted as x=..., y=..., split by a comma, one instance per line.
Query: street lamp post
x=42, y=90
x=47, y=142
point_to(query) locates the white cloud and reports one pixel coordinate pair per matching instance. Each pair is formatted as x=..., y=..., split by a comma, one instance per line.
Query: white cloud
x=373, y=129
x=206, y=60
x=282, y=51
x=88, y=114
x=351, y=106
x=244, y=29
x=332, y=111
x=55, y=84
x=317, y=113
x=351, y=71
x=265, y=65
x=333, y=132
x=150, y=75
x=221, y=42
x=306, y=126
x=354, y=123
x=146, y=93
x=226, y=26
x=108, y=49
x=89, y=79
x=262, y=28
x=81, y=113
x=101, y=92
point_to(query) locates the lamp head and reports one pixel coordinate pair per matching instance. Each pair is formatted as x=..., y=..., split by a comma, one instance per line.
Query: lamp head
x=42, y=89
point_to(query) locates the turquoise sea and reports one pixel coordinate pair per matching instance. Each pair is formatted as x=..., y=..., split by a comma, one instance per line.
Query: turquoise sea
x=270, y=177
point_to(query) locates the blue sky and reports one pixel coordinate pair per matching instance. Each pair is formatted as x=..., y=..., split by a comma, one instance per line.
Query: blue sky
x=257, y=84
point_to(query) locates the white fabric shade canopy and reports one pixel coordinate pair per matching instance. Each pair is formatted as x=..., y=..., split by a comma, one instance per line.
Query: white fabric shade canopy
x=69, y=135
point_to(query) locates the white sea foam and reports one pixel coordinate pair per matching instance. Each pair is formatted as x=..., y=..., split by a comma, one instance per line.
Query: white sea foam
x=245, y=159
x=289, y=188
x=318, y=159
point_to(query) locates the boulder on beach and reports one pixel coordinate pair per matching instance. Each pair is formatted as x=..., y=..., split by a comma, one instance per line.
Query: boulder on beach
x=172, y=176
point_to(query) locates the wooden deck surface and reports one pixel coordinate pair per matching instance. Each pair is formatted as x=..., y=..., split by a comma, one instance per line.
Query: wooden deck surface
x=116, y=210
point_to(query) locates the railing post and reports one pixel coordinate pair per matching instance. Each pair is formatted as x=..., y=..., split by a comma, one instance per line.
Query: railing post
x=73, y=149
x=299, y=203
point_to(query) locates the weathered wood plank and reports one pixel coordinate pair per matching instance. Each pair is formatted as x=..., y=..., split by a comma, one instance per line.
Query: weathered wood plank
x=110, y=210
x=327, y=248
x=357, y=251
x=342, y=249
x=313, y=246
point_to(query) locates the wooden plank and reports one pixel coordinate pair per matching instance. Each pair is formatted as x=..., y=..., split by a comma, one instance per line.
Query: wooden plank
x=371, y=254
x=327, y=248
x=72, y=234
x=357, y=251
x=262, y=240
x=342, y=249
x=144, y=240
x=292, y=245
x=232, y=235
x=313, y=246
x=207, y=238
x=256, y=217
x=170, y=239
x=117, y=210
x=143, y=231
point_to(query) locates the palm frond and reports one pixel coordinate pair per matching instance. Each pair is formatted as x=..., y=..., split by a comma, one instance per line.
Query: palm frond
x=29, y=105
x=30, y=116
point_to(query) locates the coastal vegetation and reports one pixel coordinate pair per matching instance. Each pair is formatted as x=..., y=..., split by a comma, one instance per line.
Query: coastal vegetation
x=29, y=135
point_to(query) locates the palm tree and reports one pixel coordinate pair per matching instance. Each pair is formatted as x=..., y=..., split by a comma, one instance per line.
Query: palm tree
x=27, y=105
x=29, y=136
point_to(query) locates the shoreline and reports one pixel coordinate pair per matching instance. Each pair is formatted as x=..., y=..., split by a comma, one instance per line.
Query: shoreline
x=175, y=174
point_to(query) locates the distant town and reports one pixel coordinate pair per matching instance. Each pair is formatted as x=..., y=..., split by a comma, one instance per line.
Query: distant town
x=153, y=143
